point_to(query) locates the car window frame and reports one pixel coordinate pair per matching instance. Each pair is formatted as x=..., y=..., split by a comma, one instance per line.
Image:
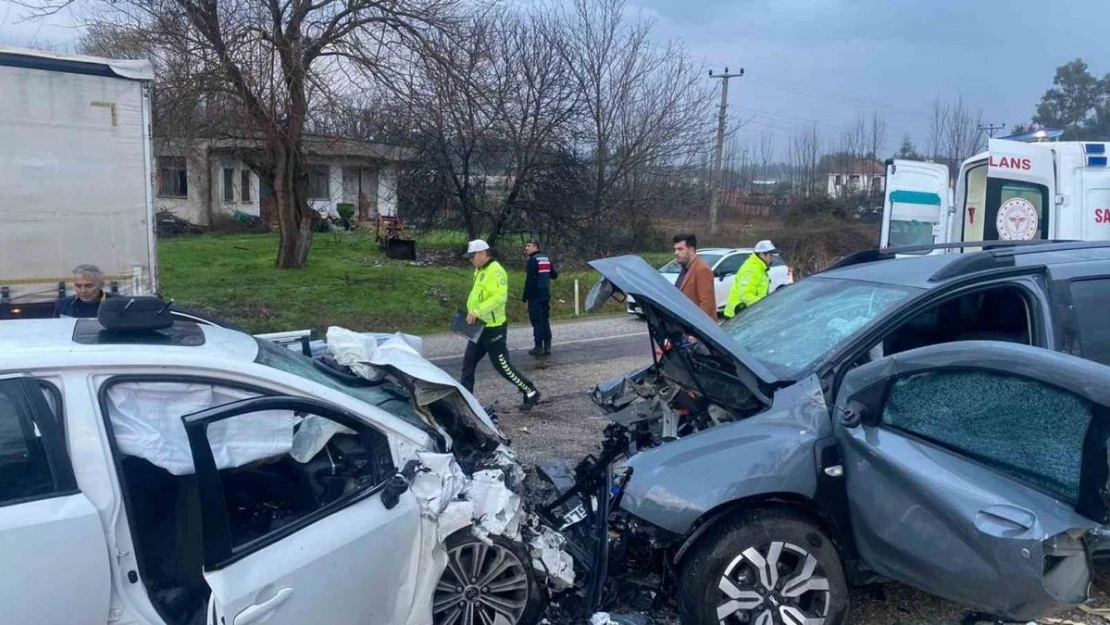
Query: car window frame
x=984, y=463
x=59, y=463
x=838, y=363
x=1075, y=314
x=109, y=380
x=729, y=257
x=219, y=550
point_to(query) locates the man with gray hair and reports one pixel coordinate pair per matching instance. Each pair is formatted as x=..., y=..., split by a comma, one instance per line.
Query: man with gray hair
x=88, y=283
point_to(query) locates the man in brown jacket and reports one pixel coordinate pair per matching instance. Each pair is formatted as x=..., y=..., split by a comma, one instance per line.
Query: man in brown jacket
x=696, y=278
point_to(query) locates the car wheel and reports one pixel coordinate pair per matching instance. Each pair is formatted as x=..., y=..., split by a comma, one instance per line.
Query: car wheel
x=767, y=567
x=486, y=584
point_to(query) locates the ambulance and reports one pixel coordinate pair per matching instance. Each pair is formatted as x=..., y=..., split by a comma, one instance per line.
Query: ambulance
x=1021, y=188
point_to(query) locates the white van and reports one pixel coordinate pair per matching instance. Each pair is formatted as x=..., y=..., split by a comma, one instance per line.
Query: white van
x=1014, y=191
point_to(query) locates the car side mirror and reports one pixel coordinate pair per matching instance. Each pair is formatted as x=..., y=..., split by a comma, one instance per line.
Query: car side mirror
x=862, y=393
x=399, y=484
x=851, y=416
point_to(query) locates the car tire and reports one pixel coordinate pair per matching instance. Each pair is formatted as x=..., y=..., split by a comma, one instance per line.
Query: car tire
x=513, y=593
x=726, y=576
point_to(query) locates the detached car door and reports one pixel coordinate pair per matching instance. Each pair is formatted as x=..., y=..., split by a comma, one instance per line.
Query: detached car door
x=974, y=470
x=309, y=536
x=52, y=545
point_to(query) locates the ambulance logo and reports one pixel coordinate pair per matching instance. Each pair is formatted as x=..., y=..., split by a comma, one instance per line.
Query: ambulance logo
x=1017, y=220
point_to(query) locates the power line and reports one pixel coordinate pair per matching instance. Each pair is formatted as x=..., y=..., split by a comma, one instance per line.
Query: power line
x=990, y=129
x=715, y=188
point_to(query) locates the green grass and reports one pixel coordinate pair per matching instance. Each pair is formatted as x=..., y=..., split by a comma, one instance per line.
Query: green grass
x=348, y=282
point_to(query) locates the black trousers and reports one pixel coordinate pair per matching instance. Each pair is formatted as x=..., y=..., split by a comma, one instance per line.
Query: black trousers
x=539, y=315
x=493, y=343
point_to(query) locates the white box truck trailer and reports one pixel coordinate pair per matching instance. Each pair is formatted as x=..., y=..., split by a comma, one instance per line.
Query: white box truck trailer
x=75, y=177
x=1015, y=191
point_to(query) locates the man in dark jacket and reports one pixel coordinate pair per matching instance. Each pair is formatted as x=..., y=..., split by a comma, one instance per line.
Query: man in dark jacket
x=88, y=283
x=537, y=293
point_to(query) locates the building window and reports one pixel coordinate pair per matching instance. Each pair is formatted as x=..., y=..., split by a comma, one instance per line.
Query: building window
x=855, y=180
x=839, y=180
x=245, y=193
x=173, y=180
x=229, y=185
x=319, y=182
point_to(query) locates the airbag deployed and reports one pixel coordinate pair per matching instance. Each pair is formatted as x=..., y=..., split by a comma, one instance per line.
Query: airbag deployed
x=146, y=420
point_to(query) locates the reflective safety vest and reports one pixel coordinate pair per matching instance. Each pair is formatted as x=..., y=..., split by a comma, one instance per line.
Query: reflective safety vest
x=489, y=294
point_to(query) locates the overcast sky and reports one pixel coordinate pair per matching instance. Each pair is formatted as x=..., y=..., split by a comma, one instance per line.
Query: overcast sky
x=827, y=61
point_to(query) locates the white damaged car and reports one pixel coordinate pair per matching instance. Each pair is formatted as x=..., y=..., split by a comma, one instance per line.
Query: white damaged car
x=198, y=475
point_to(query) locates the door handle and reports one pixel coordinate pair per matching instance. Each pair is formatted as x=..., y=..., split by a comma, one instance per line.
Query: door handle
x=260, y=611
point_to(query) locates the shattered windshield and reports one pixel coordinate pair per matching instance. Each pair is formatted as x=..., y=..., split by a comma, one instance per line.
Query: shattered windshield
x=796, y=327
x=386, y=396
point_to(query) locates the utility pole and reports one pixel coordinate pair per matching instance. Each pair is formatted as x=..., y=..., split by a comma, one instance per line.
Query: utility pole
x=990, y=129
x=715, y=179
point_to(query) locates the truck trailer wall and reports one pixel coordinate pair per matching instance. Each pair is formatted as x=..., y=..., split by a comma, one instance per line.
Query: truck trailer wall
x=75, y=182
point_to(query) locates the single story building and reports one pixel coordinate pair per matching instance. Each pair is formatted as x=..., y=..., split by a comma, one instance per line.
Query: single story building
x=857, y=177
x=200, y=180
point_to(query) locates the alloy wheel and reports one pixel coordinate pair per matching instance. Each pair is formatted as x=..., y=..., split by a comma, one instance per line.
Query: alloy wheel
x=777, y=584
x=482, y=585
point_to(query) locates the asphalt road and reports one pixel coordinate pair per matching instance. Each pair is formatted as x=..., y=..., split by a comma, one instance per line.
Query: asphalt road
x=595, y=341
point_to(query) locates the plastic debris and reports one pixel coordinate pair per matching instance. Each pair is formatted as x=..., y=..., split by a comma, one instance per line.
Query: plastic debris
x=548, y=556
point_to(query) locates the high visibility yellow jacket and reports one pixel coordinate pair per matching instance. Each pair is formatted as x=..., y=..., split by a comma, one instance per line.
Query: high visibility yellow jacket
x=489, y=294
x=750, y=285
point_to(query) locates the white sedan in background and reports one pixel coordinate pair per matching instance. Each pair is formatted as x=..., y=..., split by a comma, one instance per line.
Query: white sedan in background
x=725, y=263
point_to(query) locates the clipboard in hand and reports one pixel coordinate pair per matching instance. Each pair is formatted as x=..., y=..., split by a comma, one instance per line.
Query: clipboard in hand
x=461, y=327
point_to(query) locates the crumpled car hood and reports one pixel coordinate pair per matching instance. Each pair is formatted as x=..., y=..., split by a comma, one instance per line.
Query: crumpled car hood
x=633, y=276
x=430, y=384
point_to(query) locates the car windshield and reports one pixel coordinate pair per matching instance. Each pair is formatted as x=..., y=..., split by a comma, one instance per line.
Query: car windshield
x=674, y=267
x=388, y=397
x=794, y=328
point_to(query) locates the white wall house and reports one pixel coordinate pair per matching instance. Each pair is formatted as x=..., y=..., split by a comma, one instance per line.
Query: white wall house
x=202, y=180
x=857, y=178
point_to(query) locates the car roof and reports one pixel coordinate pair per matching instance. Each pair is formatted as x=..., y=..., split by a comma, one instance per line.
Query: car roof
x=933, y=270
x=22, y=339
x=912, y=272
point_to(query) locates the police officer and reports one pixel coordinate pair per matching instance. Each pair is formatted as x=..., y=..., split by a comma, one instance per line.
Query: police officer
x=537, y=294
x=752, y=282
x=487, y=302
x=88, y=283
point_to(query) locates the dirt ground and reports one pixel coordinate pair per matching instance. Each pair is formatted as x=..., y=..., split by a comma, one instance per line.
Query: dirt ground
x=567, y=426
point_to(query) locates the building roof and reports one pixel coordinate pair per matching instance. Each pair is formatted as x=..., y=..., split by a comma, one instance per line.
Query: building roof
x=314, y=145
x=859, y=166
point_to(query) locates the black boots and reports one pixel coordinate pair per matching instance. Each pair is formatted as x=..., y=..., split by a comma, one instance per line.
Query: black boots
x=530, y=401
x=542, y=348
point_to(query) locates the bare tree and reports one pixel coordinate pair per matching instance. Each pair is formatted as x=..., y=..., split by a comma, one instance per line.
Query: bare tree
x=876, y=139
x=766, y=151
x=938, y=127
x=642, y=106
x=265, y=70
x=876, y=135
x=806, y=151
x=963, y=138
x=493, y=107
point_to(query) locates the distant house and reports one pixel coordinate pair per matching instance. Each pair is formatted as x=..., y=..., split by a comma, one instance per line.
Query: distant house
x=202, y=179
x=860, y=176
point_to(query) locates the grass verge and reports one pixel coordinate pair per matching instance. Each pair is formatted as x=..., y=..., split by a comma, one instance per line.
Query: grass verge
x=348, y=282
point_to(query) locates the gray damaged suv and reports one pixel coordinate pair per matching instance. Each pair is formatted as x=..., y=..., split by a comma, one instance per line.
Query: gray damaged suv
x=940, y=420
